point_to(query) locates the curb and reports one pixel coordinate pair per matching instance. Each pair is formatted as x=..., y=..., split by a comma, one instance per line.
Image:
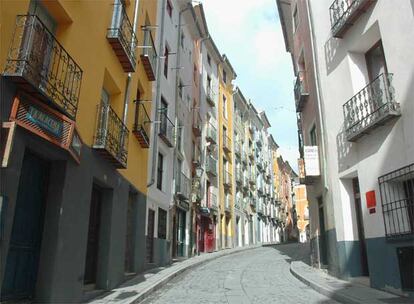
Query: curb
x=329, y=292
x=162, y=282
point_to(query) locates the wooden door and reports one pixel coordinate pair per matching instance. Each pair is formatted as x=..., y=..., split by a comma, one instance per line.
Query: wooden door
x=150, y=235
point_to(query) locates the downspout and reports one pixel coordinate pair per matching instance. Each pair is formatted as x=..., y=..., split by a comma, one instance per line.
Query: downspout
x=157, y=99
x=318, y=96
x=129, y=78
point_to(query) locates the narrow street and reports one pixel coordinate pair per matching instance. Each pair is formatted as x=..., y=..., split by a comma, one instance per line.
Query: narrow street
x=254, y=276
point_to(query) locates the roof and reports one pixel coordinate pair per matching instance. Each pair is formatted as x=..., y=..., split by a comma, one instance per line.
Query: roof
x=227, y=62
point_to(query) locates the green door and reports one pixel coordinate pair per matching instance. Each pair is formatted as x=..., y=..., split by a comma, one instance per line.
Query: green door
x=24, y=249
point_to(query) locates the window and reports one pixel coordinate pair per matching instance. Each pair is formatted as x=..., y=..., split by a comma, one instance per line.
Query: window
x=163, y=116
x=169, y=8
x=195, y=74
x=224, y=76
x=208, y=59
x=224, y=107
x=180, y=90
x=179, y=136
x=397, y=197
x=182, y=39
x=166, y=61
x=295, y=18
x=162, y=224
x=375, y=59
x=313, y=137
x=208, y=83
x=160, y=170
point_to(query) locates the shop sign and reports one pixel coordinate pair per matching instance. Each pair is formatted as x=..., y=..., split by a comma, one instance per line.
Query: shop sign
x=311, y=154
x=45, y=121
x=183, y=205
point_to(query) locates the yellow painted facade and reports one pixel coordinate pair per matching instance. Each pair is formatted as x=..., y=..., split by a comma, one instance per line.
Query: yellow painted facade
x=225, y=122
x=81, y=30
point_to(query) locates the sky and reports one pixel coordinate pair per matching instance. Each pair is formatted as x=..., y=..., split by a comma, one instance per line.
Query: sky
x=250, y=34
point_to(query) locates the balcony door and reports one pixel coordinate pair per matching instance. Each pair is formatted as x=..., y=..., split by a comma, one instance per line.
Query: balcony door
x=375, y=59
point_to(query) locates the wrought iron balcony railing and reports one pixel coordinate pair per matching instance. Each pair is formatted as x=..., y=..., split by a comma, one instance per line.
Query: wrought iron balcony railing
x=111, y=136
x=211, y=133
x=301, y=91
x=212, y=200
x=210, y=96
x=42, y=67
x=226, y=143
x=211, y=165
x=227, y=177
x=246, y=182
x=239, y=203
x=372, y=106
x=122, y=38
x=227, y=203
x=343, y=14
x=238, y=176
x=142, y=125
x=166, y=128
x=237, y=149
x=182, y=186
x=149, y=55
x=244, y=156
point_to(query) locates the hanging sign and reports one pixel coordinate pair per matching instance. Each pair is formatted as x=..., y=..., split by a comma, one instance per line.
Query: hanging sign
x=311, y=154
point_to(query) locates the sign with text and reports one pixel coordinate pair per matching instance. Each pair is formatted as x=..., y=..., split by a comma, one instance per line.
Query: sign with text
x=311, y=154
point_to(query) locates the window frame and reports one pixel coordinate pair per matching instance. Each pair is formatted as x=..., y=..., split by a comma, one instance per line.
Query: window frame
x=160, y=171
x=162, y=224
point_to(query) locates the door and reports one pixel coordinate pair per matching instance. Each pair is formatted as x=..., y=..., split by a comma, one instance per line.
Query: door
x=22, y=262
x=209, y=231
x=92, y=248
x=150, y=235
x=181, y=233
x=360, y=225
x=129, y=237
x=323, y=254
x=375, y=60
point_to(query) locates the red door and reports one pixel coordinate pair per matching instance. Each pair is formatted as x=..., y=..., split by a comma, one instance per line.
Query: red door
x=209, y=236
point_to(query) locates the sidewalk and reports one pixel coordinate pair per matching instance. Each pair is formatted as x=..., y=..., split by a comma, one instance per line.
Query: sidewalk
x=138, y=288
x=342, y=291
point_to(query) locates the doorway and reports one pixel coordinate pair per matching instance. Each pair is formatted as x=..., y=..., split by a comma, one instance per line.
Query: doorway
x=150, y=236
x=180, y=232
x=360, y=227
x=25, y=242
x=323, y=252
x=92, y=249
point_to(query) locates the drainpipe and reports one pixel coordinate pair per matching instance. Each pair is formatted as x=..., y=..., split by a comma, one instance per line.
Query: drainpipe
x=157, y=99
x=129, y=78
x=318, y=96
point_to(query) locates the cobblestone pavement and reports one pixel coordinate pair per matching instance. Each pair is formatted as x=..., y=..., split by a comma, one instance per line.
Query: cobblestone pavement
x=254, y=276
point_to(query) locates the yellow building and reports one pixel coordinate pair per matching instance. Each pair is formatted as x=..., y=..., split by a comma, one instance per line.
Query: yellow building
x=225, y=152
x=302, y=212
x=75, y=92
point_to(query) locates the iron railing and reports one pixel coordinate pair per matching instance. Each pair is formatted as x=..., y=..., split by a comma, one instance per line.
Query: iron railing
x=36, y=56
x=142, y=124
x=239, y=202
x=300, y=90
x=212, y=200
x=370, y=107
x=122, y=32
x=211, y=165
x=244, y=156
x=237, y=149
x=111, y=134
x=227, y=203
x=227, y=178
x=343, y=12
x=210, y=96
x=182, y=186
x=149, y=55
x=211, y=133
x=226, y=143
x=245, y=181
x=397, y=197
x=238, y=175
x=166, y=127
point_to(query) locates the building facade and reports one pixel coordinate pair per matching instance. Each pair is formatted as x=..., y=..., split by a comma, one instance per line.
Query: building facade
x=359, y=87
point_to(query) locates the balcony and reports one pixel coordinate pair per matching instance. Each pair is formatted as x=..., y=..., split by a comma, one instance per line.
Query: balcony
x=227, y=179
x=253, y=202
x=344, y=13
x=226, y=143
x=239, y=179
x=245, y=182
x=196, y=123
x=244, y=156
x=237, y=150
x=166, y=128
x=211, y=134
x=371, y=107
x=149, y=55
x=142, y=125
x=111, y=137
x=182, y=187
x=212, y=200
x=301, y=91
x=239, y=203
x=39, y=65
x=227, y=204
x=210, y=97
x=252, y=179
x=211, y=166
x=122, y=38
x=251, y=154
